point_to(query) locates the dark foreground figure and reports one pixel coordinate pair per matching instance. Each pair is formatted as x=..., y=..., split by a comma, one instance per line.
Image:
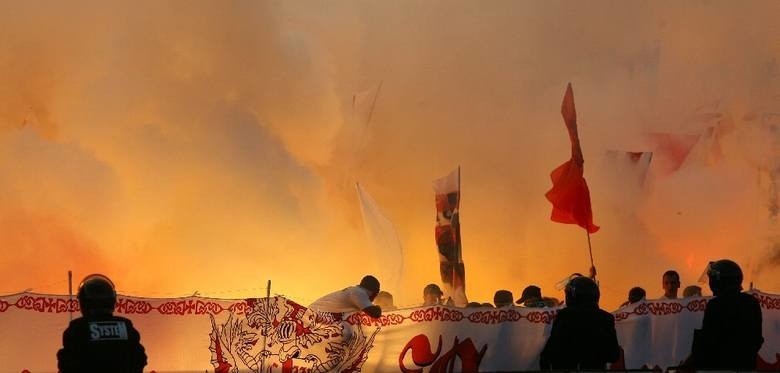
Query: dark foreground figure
x=100, y=341
x=730, y=336
x=583, y=335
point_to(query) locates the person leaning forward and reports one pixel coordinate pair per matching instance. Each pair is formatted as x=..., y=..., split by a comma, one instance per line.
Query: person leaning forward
x=351, y=299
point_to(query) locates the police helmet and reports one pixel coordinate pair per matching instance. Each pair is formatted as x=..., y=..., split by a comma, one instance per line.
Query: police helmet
x=725, y=277
x=581, y=290
x=97, y=295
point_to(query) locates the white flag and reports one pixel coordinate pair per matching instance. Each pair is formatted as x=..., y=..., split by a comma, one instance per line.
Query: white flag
x=385, y=242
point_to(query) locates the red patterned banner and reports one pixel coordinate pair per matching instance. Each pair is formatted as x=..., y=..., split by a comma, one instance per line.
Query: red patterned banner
x=279, y=335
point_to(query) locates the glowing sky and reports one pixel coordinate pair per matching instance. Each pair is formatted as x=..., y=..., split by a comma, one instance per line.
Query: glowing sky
x=195, y=146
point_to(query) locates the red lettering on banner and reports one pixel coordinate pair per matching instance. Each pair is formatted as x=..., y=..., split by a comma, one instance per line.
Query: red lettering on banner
x=190, y=307
x=545, y=317
x=466, y=352
x=129, y=306
x=436, y=313
x=423, y=356
x=42, y=304
x=766, y=302
x=620, y=316
x=696, y=305
x=239, y=308
x=664, y=308
x=421, y=353
x=386, y=319
x=495, y=316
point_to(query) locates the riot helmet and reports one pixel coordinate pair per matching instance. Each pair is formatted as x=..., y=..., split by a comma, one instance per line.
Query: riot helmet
x=581, y=290
x=96, y=295
x=725, y=277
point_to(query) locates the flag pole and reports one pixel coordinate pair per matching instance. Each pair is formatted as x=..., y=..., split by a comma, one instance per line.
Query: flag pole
x=459, y=246
x=590, y=252
x=70, y=295
x=268, y=301
x=459, y=195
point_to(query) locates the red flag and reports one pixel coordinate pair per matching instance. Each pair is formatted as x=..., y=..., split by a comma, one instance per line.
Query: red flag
x=569, y=195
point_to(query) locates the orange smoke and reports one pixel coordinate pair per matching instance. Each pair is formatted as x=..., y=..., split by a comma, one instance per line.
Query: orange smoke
x=213, y=147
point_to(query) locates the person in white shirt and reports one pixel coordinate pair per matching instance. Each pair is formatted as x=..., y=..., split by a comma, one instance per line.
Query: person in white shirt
x=351, y=299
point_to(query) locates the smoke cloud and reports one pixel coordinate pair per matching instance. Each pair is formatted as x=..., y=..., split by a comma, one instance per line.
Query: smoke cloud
x=186, y=147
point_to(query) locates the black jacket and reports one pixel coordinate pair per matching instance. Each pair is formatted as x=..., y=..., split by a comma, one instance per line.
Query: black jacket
x=582, y=337
x=101, y=344
x=731, y=334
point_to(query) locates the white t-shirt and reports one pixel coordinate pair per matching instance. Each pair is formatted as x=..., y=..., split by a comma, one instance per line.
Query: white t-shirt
x=353, y=298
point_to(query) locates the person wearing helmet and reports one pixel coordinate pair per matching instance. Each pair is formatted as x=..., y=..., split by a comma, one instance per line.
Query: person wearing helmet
x=583, y=336
x=731, y=334
x=99, y=341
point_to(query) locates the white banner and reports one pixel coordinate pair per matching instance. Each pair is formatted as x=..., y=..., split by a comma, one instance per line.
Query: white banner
x=278, y=335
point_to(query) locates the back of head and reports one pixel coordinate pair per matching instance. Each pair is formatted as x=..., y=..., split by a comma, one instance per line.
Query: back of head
x=530, y=293
x=432, y=295
x=370, y=283
x=432, y=289
x=636, y=294
x=672, y=274
x=384, y=300
x=581, y=290
x=725, y=277
x=692, y=291
x=97, y=296
x=503, y=298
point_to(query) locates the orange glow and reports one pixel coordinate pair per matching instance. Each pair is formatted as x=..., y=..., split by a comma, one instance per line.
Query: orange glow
x=212, y=147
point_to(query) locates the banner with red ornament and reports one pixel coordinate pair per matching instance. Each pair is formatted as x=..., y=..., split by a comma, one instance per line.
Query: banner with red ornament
x=278, y=335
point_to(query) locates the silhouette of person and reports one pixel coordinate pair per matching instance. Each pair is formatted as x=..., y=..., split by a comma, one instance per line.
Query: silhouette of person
x=692, y=291
x=99, y=341
x=731, y=334
x=636, y=294
x=583, y=336
x=532, y=297
x=503, y=298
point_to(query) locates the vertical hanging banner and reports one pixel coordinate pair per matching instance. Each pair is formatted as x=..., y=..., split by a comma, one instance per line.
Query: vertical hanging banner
x=451, y=268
